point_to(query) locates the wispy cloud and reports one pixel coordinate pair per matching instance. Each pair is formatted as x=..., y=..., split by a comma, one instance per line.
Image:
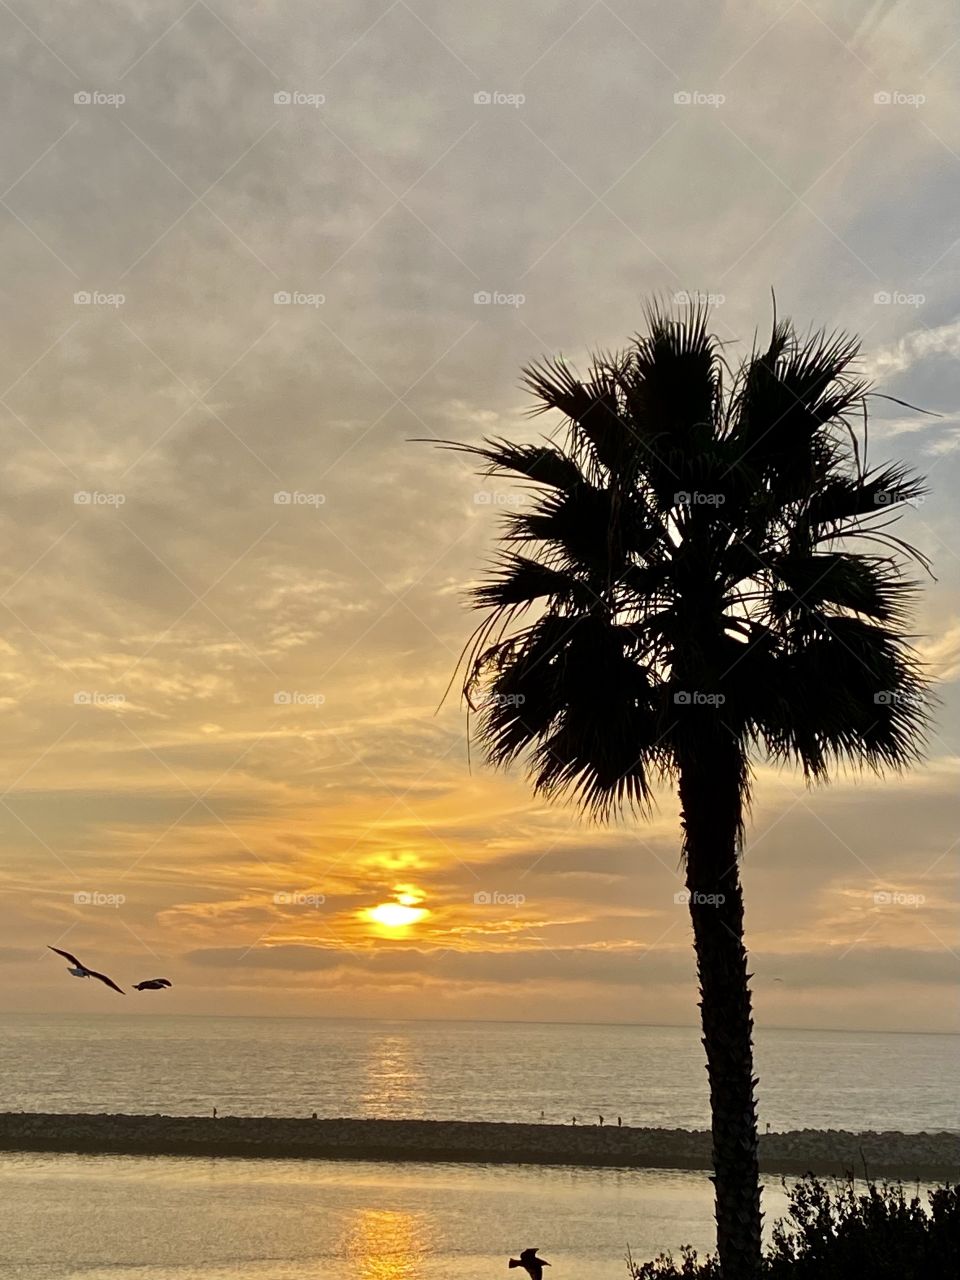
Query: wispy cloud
x=232, y=599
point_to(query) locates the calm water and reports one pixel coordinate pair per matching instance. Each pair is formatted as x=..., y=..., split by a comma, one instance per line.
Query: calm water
x=463, y=1070
x=106, y=1217
x=66, y=1217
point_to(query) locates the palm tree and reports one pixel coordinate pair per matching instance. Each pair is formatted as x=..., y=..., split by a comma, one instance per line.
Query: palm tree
x=704, y=573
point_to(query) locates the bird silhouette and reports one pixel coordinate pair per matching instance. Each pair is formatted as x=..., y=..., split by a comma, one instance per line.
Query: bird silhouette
x=152, y=984
x=81, y=971
x=531, y=1263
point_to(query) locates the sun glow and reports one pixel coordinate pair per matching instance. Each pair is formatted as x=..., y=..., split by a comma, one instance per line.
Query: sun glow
x=399, y=914
x=396, y=915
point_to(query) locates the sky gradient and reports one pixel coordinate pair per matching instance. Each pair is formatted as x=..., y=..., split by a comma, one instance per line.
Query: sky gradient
x=247, y=249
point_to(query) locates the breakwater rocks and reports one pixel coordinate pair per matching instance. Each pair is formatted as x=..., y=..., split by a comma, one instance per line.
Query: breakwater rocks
x=824, y=1151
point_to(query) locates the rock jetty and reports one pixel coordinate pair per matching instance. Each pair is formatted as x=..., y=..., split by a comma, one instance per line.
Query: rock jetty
x=903, y=1155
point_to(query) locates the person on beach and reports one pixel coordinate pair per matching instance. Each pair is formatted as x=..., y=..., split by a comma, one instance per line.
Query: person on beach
x=601, y=1121
x=619, y=1122
x=574, y=1121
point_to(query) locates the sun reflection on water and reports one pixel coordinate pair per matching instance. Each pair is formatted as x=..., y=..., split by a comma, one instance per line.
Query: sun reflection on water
x=386, y=1244
x=394, y=1082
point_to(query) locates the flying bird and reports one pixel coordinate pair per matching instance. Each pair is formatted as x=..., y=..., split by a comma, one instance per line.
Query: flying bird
x=81, y=971
x=152, y=984
x=531, y=1263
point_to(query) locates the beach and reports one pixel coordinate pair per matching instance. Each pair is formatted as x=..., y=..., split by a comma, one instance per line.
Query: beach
x=828, y=1152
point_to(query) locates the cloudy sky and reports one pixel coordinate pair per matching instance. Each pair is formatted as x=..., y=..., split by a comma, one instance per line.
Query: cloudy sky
x=243, y=245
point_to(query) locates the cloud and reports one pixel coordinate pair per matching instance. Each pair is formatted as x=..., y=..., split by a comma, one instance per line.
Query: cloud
x=942, y=653
x=185, y=588
x=841, y=968
x=18, y=955
x=913, y=348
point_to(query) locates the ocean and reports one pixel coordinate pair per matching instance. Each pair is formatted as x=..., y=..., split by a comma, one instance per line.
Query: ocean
x=465, y=1071
x=71, y=1217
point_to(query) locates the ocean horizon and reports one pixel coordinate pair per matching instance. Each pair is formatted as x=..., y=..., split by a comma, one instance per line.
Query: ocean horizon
x=465, y=1070
x=519, y=1022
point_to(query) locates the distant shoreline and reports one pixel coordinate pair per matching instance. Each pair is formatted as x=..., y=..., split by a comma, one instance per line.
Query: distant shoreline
x=927, y=1156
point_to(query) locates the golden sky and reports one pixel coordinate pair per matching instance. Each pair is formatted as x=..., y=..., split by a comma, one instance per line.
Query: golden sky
x=252, y=251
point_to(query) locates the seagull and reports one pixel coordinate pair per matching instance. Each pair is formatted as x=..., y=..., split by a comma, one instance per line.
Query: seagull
x=531, y=1263
x=152, y=984
x=81, y=971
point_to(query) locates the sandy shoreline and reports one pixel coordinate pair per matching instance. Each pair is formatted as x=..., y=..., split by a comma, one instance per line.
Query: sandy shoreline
x=911, y=1155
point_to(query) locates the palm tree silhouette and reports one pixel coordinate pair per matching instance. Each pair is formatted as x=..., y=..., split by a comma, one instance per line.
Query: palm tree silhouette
x=704, y=573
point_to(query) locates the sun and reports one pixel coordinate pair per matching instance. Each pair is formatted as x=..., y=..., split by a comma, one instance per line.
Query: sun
x=404, y=911
x=396, y=915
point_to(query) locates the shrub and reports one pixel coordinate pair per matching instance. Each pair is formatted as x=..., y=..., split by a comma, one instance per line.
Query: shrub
x=879, y=1233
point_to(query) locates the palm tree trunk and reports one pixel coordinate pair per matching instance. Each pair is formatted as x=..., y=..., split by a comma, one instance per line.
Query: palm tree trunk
x=711, y=802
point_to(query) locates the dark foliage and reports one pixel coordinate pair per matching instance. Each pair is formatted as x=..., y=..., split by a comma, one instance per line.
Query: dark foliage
x=880, y=1232
x=700, y=532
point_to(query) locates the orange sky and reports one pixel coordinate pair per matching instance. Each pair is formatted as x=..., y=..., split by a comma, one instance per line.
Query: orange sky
x=220, y=708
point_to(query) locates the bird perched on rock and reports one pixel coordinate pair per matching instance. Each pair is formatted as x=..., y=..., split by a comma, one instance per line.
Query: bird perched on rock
x=531, y=1263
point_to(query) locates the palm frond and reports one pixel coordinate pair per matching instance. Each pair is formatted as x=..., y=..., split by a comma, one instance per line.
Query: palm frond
x=541, y=464
x=791, y=401
x=870, y=585
x=700, y=535
x=851, y=691
x=518, y=582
